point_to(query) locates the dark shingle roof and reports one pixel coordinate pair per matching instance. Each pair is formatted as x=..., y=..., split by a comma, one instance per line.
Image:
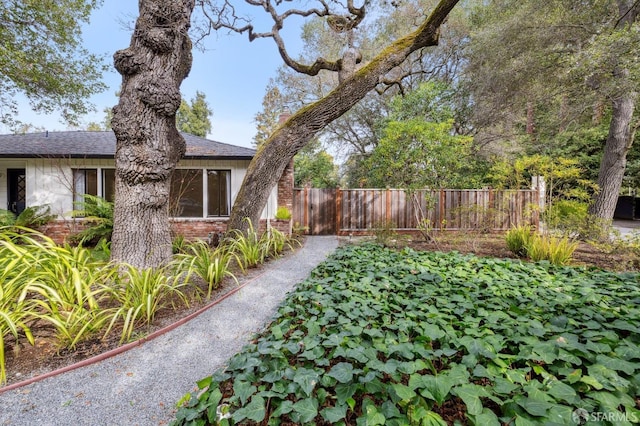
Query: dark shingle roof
x=84, y=144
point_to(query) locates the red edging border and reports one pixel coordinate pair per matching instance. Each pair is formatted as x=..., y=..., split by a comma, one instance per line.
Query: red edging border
x=120, y=349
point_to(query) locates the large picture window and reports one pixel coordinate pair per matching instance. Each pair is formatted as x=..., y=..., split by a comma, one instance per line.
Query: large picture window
x=191, y=195
x=186, y=193
x=219, y=192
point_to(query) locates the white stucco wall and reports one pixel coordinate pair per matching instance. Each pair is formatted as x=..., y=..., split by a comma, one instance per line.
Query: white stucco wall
x=49, y=181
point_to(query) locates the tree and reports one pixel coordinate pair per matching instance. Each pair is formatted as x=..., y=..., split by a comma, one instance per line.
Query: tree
x=267, y=120
x=537, y=70
x=354, y=135
x=314, y=166
x=194, y=118
x=418, y=148
x=623, y=104
x=41, y=57
x=148, y=145
x=270, y=161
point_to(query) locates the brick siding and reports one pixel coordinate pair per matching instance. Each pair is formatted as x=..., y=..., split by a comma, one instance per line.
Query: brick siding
x=191, y=229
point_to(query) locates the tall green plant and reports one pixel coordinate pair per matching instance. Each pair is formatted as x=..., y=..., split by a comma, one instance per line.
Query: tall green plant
x=555, y=250
x=139, y=294
x=15, y=308
x=518, y=239
x=251, y=249
x=98, y=213
x=68, y=281
x=210, y=265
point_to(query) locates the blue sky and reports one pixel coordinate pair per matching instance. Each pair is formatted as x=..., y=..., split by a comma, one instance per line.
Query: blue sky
x=233, y=73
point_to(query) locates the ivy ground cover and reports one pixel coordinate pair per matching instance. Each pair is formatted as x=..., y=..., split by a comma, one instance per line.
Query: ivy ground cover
x=377, y=336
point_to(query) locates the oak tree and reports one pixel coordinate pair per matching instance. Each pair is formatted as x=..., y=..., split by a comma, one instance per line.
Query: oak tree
x=148, y=145
x=42, y=58
x=355, y=81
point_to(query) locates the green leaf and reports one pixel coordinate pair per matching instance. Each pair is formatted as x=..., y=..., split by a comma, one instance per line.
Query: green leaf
x=285, y=407
x=370, y=416
x=470, y=394
x=243, y=390
x=307, y=379
x=617, y=364
x=254, y=411
x=342, y=372
x=535, y=407
x=307, y=409
x=438, y=387
x=334, y=414
x=486, y=418
x=345, y=391
x=403, y=392
x=562, y=392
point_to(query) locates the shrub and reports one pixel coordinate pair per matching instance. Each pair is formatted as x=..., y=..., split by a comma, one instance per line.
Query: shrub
x=384, y=233
x=140, y=294
x=32, y=217
x=210, y=265
x=179, y=244
x=517, y=240
x=98, y=212
x=283, y=213
x=556, y=250
x=251, y=249
x=568, y=215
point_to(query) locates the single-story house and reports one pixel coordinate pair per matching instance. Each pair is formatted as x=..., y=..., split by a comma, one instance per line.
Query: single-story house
x=57, y=168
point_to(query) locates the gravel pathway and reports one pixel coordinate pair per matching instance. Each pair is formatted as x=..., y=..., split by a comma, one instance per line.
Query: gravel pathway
x=142, y=385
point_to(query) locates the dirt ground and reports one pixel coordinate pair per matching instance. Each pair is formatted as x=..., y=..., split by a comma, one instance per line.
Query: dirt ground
x=24, y=361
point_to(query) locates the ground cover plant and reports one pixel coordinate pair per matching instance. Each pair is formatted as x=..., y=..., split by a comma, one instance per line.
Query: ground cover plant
x=380, y=336
x=73, y=295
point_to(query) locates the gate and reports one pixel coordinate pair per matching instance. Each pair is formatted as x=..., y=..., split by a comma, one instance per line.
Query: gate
x=315, y=210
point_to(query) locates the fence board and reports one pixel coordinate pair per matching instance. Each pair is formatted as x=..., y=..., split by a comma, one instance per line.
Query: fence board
x=343, y=211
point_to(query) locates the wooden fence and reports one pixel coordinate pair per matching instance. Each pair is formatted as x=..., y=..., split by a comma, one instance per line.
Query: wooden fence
x=356, y=211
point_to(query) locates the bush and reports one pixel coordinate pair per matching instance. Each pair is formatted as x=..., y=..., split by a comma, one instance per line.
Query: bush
x=570, y=215
x=517, y=240
x=283, y=213
x=98, y=212
x=557, y=251
x=32, y=217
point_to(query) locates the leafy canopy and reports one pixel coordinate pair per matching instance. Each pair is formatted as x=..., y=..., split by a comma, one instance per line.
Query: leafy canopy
x=418, y=148
x=194, y=118
x=41, y=57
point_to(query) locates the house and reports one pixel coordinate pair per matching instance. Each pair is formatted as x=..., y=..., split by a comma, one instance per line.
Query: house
x=58, y=168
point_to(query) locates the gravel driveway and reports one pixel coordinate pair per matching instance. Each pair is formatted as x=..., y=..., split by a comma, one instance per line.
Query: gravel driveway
x=142, y=385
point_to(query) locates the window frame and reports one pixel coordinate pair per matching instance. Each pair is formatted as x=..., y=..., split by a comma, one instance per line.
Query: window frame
x=228, y=173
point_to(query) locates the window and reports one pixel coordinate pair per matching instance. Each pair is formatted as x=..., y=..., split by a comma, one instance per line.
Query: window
x=85, y=181
x=109, y=184
x=219, y=192
x=185, y=199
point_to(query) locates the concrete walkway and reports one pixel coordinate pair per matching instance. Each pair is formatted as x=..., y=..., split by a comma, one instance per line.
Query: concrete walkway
x=142, y=385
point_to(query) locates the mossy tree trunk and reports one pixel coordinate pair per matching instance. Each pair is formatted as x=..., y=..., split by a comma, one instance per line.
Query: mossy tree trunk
x=148, y=145
x=273, y=156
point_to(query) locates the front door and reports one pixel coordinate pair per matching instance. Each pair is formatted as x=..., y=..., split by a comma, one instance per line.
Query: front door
x=16, y=190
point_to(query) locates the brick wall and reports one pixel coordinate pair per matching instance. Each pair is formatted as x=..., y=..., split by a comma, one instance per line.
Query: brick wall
x=191, y=229
x=285, y=188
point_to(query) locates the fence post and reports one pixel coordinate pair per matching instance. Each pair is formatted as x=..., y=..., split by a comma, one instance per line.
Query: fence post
x=442, y=223
x=338, y=222
x=305, y=218
x=387, y=215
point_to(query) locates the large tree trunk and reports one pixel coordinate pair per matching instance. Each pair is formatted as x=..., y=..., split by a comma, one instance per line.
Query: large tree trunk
x=148, y=144
x=621, y=131
x=273, y=156
x=614, y=159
